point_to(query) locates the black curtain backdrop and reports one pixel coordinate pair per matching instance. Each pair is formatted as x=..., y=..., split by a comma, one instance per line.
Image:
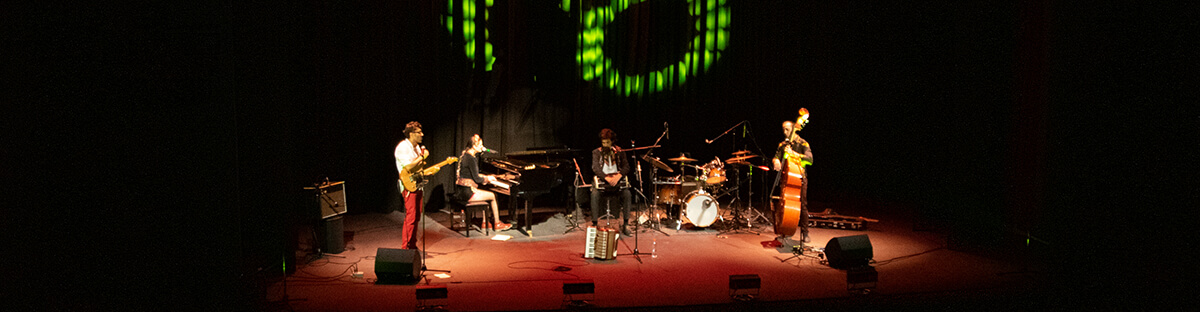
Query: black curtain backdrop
x=172, y=142
x=909, y=103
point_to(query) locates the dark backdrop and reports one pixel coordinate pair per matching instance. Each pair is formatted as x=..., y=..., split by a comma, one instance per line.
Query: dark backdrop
x=186, y=132
x=923, y=106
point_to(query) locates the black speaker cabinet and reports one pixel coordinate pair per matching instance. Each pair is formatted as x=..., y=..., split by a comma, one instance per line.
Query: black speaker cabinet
x=394, y=266
x=849, y=251
x=329, y=232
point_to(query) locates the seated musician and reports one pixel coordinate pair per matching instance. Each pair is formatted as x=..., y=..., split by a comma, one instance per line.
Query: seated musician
x=610, y=168
x=469, y=181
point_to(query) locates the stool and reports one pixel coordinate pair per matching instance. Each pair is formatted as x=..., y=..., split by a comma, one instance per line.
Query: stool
x=467, y=212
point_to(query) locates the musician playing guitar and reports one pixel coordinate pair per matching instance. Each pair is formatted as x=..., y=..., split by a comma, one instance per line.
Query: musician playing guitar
x=410, y=155
x=610, y=167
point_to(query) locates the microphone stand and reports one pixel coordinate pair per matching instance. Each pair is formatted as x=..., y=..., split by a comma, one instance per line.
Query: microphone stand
x=637, y=224
x=726, y=132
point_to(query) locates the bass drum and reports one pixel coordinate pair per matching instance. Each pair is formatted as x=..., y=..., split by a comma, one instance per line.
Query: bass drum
x=701, y=209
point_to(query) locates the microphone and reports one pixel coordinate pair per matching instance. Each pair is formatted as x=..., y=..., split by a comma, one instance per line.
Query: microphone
x=668, y=127
x=488, y=150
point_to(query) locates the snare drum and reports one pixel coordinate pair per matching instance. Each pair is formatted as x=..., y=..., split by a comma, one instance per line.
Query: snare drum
x=701, y=208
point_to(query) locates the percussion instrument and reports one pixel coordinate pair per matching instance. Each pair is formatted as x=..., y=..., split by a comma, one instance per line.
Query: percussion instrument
x=701, y=208
x=714, y=173
x=681, y=158
x=739, y=159
x=602, y=185
x=670, y=192
x=656, y=163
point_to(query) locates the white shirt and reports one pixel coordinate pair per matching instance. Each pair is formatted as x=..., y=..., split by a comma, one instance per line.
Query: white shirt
x=609, y=168
x=407, y=154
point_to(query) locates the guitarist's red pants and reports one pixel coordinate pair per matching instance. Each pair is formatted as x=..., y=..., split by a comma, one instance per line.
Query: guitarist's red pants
x=412, y=214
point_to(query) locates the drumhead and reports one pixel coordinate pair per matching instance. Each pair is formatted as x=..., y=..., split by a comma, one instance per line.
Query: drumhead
x=701, y=209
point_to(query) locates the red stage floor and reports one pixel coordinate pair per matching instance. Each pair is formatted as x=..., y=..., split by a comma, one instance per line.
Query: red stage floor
x=691, y=270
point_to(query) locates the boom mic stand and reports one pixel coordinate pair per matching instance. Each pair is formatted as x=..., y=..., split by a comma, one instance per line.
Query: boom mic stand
x=424, y=232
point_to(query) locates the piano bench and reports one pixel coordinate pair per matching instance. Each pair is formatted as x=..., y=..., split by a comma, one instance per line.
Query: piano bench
x=466, y=212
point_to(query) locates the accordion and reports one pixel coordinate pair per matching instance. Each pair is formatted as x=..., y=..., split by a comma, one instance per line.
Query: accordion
x=601, y=244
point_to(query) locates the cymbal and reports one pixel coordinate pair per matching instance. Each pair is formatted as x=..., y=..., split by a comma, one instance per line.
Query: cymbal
x=739, y=159
x=741, y=152
x=739, y=163
x=681, y=158
x=656, y=163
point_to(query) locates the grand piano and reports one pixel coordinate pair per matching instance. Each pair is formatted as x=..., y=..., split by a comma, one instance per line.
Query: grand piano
x=528, y=174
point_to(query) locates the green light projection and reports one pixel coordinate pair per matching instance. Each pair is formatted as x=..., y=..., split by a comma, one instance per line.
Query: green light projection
x=712, y=36
x=471, y=28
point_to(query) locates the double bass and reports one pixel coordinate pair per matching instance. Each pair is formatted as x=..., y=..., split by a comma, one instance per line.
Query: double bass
x=787, y=214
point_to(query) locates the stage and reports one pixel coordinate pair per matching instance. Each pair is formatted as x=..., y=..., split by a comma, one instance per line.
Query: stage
x=691, y=271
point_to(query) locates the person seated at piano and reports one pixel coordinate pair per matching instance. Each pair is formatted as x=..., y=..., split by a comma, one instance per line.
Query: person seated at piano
x=469, y=181
x=610, y=168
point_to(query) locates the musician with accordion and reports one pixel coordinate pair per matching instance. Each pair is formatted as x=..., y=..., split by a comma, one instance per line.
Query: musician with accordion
x=611, y=169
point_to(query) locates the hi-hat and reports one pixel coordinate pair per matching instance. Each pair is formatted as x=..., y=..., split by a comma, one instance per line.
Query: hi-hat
x=656, y=163
x=681, y=158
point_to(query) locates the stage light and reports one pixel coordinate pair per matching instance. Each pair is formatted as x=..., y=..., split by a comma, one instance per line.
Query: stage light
x=435, y=294
x=744, y=287
x=578, y=293
x=861, y=280
x=712, y=18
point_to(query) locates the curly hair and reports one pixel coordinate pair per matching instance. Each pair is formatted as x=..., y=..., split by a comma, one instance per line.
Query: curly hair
x=411, y=127
x=607, y=133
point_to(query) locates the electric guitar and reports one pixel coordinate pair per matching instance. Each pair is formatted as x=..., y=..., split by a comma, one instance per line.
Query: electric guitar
x=413, y=179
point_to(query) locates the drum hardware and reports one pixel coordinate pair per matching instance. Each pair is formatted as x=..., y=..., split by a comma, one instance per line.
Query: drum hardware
x=637, y=225
x=750, y=215
x=641, y=213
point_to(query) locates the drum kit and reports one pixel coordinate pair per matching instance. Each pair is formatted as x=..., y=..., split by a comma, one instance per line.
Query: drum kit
x=692, y=193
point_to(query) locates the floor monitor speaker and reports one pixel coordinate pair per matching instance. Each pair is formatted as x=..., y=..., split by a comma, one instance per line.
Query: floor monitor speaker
x=849, y=251
x=395, y=266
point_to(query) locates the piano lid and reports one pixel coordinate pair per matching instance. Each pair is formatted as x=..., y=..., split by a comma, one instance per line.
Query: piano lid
x=561, y=152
